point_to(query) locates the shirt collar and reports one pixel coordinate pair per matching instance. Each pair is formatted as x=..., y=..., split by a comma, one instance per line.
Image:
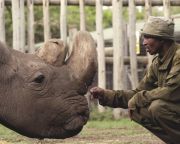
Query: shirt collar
x=165, y=61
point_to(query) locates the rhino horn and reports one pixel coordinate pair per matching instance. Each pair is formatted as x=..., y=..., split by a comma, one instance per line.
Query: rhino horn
x=83, y=59
x=53, y=52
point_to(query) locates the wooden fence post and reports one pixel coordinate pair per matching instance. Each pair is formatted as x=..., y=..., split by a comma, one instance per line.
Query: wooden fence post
x=126, y=53
x=148, y=9
x=118, y=51
x=22, y=26
x=63, y=20
x=132, y=43
x=2, y=22
x=148, y=12
x=18, y=24
x=46, y=20
x=82, y=15
x=100, y=48
x=166, y=6
x=30, y=6
x=105, y=2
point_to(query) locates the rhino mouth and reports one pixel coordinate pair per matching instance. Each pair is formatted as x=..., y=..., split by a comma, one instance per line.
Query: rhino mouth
x=70, y=128
x=77, y=121
x=73, y=125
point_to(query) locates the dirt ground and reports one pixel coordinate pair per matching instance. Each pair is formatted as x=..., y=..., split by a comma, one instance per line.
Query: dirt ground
x=137, y=135
x=112, y=136
x=107, y=138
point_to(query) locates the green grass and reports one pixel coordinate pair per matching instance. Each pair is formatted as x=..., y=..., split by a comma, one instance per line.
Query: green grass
x=8, y=136
x=121, y=131
x=112, y=128
x=111, y=124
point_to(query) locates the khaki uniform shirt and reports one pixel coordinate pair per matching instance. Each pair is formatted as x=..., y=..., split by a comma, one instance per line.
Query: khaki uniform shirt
x=162, y=81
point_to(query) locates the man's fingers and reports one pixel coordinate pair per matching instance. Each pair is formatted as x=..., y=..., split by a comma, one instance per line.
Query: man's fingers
x=93, y=90
x=94, y=96
x=94, y=93
x=130, y=111
x=97, y=92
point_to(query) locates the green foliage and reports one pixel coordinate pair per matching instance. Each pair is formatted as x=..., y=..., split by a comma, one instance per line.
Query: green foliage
x=107, y=18
x=140, y=14
x=109, y=124
x=73, y=19
x=90, y=18
x=8, y=25
x=95, y=115
x=54, y=12
x=38, y=27
x=175, y=10
x=107, y=115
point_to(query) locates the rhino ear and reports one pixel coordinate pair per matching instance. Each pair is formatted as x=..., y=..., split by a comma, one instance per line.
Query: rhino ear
x=53, y=52
x=83, y=60
x=4, y=54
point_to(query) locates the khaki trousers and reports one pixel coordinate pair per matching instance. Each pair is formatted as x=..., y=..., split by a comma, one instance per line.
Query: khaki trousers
x=162, y=119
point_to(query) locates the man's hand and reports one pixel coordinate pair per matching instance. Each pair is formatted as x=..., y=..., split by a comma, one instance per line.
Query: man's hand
x=97, y=92
x=130, y=113
x=131, y=107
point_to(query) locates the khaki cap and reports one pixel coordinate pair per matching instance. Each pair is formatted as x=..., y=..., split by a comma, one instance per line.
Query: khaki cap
x=159, y=27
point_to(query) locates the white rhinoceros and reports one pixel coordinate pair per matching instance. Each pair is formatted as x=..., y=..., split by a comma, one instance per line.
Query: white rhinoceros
x=41, y=97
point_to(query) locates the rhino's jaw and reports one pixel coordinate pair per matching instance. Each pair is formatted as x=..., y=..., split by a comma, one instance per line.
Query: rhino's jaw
x=70, y=128
x=75, y=124
x=77, y=121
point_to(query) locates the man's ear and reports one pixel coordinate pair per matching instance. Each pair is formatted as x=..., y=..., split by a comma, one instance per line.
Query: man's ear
x=4, y=54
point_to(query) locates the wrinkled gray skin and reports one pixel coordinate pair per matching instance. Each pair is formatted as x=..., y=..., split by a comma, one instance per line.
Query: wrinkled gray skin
x=42, y=100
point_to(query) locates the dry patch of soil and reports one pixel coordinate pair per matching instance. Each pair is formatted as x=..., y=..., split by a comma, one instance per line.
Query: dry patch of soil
x=92, y=135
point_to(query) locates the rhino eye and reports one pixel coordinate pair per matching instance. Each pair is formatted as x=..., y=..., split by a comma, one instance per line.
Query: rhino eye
x=39, y=79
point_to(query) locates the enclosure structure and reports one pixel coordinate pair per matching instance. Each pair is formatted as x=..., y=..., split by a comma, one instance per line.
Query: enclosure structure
x=124, y=35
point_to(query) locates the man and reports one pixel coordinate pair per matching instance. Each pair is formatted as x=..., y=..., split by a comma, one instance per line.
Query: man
x=155, y=103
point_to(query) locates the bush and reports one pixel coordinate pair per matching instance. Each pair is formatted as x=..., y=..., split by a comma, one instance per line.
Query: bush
x=95, y=115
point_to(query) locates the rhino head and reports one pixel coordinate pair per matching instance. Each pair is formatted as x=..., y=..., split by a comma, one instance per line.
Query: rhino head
x=41, y=97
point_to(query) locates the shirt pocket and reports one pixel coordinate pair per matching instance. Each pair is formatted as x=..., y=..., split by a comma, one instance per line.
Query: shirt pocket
x=174, y=76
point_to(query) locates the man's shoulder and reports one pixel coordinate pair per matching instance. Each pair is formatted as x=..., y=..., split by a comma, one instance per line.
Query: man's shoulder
x=178, y=49
x=155, y=59
x=177, y=53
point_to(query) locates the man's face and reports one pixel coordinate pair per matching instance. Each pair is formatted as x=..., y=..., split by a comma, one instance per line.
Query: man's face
x=152, y=45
